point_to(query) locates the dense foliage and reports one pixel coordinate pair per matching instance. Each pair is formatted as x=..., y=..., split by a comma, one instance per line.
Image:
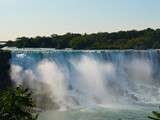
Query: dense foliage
x=155, y=116
x=16, y=104
x=144, y=39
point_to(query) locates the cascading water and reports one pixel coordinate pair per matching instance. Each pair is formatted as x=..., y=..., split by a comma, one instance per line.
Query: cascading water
x=89, y=78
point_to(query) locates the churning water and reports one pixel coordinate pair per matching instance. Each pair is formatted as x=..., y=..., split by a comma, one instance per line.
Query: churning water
x=90, y=81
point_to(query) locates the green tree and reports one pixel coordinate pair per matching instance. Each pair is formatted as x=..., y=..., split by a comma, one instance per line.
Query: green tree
x=155, y=116
x=17, y=104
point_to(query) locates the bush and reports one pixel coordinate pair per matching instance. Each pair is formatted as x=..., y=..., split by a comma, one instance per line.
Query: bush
x=17, y=104
x=155, y=116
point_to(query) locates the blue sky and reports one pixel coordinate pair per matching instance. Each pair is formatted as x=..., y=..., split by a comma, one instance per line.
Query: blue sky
x=44, y=17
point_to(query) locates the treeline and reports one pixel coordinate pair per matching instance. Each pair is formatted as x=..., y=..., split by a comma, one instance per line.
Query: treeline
x=144, y=39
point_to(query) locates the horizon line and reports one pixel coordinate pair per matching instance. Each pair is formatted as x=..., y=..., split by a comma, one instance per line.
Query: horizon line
x=82, y=33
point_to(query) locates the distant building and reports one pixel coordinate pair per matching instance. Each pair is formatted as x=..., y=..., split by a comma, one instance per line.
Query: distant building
x=68, y=49
x=2, y=44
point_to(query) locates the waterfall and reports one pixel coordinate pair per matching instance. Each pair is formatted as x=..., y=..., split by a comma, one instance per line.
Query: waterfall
x=89, y=78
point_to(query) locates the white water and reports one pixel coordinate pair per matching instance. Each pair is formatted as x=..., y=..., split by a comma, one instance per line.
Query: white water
x=90, y=78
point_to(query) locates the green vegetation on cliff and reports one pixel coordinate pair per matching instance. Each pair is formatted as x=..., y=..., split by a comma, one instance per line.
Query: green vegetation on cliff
x=144, y=39
x=17, y=104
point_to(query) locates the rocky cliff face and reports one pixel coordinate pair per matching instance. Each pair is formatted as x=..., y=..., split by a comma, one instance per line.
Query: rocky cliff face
x=5, y=80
